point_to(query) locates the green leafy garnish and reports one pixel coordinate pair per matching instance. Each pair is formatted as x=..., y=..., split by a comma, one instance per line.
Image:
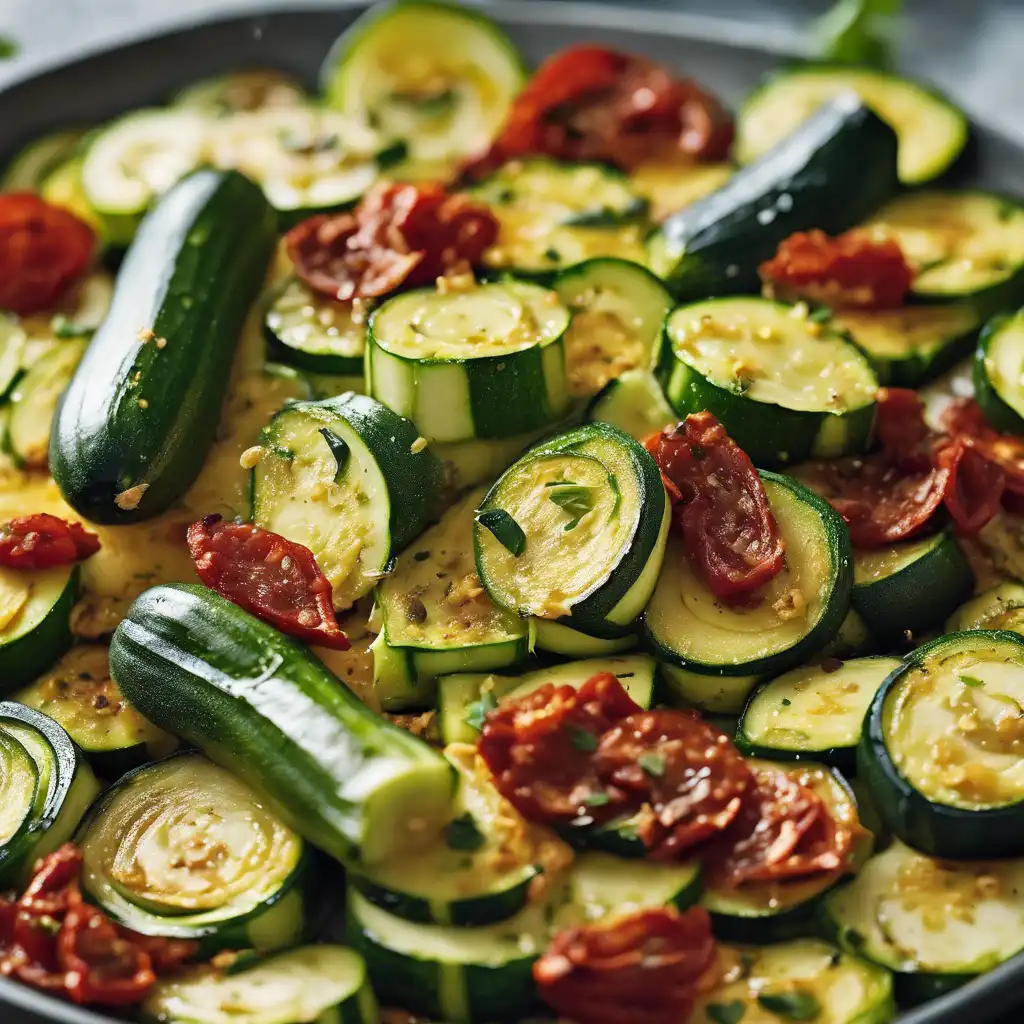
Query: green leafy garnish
x=393, y=153
x=507, y=532
x=606, y=217
x=576, y=500
x=653, y=764
x=859, y=32
x=726, y=1013
x=819, y=315
x=786, y=702
x=795, y=1005
x=581, y=739
x=339, y=449
x=462, y=834
x=476, y=713
x=64, y=328
x=971, y=680
x=596, y=799
x=8, y=47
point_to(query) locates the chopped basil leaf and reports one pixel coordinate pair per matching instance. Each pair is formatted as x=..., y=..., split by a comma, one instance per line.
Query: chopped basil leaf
x=596, y=799
x=576, y=500
x=796, y=1005
x=477, y=712
x=606, y=217
x=462, y=834
x=970, y=680
x=581, y=739
x=8, y=47
x=339, y=449
x=859, y=32
x=726, y=1013
x=507, y=532
x=653, y=764
x=393, y=153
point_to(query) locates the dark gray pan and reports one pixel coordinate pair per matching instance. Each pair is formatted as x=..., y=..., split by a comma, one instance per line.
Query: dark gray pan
x=730, y=61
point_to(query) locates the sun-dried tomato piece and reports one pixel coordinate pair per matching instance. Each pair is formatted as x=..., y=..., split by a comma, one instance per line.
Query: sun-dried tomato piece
x=784, y=830
x=540, y=748
x=851, y=271
x=53, y=878
x=964, y=421
x=729, y=532
x=974, y=485
x=900, y=425
x=686, y=771
x=41, y=541
x=269, y=576
x=591, y=103
x=399, y=235
x=643, y=966
x=43, y=250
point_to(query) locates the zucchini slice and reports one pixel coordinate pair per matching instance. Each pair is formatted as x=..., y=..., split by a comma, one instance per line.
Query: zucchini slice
x=325, y=984
x=999, y=607
x=575, y=531
x=182, y=849
x=353, y=784
x=940, y=752
x=483, y=362
x=63, y=187
x=440, y=77
x=34, y=402
x=785, y=388
x=910, y=346
x=45, y=788
x=964, y=245
x=910, y=587
x=803, y=980
x=557, y=638
x=833, y=171
x=553, y=215
x=999, y=373
x=35, y=621
x=12, y=353
x=314, y=333
x=813, y=713
x=936, y=925
x=436, y=617
x=79, y=694
x=788, y=909
x=242, y=91
x=671, y=185
x=634, y=403
x=932, y=131
x=464, y=698
x=30, y=165
x=351, y=480
x=617, y=311
x=730, y=647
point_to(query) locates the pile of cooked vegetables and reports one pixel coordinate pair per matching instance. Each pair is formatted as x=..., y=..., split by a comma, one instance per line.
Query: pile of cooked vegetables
x=486, y=545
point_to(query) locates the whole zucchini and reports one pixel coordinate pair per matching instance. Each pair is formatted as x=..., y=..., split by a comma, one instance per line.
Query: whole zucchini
x=262, y=706
x=140, y=413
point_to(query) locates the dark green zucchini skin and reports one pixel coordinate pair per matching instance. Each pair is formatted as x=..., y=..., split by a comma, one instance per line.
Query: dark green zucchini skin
x=831, y=173
x=261, y=705
x=145, y=414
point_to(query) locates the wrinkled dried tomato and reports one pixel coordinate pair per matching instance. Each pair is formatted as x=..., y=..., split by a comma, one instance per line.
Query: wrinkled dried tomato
x=851, y=271
x=399, y=235
x=41, y=541
x=729, y=532
x=540, y=748
x=43, y=250
x=900, y=426
x=269, y=576
x=686, y=771
x=974, y=485
x=643, y=966
x=965, y=422
x=591, y=103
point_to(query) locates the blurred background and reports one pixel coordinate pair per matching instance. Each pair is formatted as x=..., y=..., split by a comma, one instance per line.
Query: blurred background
x=972, y=48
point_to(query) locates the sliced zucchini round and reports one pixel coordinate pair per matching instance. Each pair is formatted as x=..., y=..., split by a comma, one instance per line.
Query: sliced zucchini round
x=617, y=311
x=323, y=984
x=42, y=802
x=999, y=373
x=314, y=333
x=553, y=215
x=575, y=532
x=932, y=131
x=183, y=849
x=440, y=77
x=941, y=747
x=671, y=185
x=716, y=695
x=79, y=694
x=12, y=353
x=436, y=617
x=634, y=403
x=964, y=245
x=803, y=980
x=935, y=924
x=558, y=638
x=35, y=621
x=999, y=607
x=801, y=611
x=351, y=480
x=485, y=362
x=33, y=163
x=813, y=713
x=63, y=187
x=912, y=345
x=785, y=388
x=242, y=91
x=787, y=909
x=910, y=587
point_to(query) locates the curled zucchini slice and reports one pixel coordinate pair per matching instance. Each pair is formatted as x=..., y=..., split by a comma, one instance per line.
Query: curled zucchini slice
x=183, y=849
x=45, y=788
x=487, y=361
x=998, y=382
x=785, y=388
x=940, y=751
